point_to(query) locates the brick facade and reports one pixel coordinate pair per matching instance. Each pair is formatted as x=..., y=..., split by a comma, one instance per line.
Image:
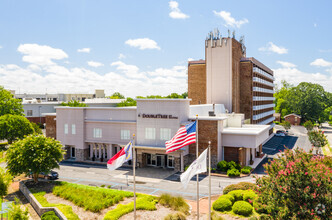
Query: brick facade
x=246, y=102
x=236, y=79
x=293, y=119
x=197, y=83
x=50, y=121
x=37, y=120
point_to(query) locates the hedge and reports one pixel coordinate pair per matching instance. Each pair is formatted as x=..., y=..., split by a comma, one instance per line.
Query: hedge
x=241, y=185
x=228, y=196
x=233, y=172
x=222, y=204
x=49, y=216
x=237, y=194
x=249, y=196
x=242, y=208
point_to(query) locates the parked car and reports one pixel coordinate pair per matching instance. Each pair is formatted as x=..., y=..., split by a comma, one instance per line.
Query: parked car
x=280, y=133
x=52, y=175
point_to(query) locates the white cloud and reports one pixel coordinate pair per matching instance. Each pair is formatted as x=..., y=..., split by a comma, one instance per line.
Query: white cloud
x=190, y=59
x=84, y=50
x=286, y=64
x=95, y=64
x=121, y=56
x=175, y=71
x=143, y=43
x=176, y=12
x=315, y=25
x=229, y=20
x=271, y=47
x=0, y=46
x=295, y=76
x=131, y=71
x=321, y=63
x=40, y=54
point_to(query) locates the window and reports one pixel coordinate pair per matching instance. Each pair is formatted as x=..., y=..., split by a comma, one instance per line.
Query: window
x=97, y=133
x=150, y=133
x=73, y=129
x=170, y=161
x=125, y=134
x=66, y=128
x=165, y=134
x=29, y=112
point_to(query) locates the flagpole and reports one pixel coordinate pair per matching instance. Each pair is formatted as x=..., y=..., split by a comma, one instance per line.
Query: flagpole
x=134, y=166
x=209, y=180
x=197, y=176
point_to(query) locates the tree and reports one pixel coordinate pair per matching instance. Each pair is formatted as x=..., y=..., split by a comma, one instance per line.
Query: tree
x=308, y=125
x=34, y=154
x=36, y=128
x=286, y=125
x=128, y=102
x=184, y=95
x=318, y=139
x=5, y=179
x=13, y=127
x=74, y=103
x=307, y=100
x=281, y=102
x=298, y=186
x=117, y=95
x=8, y=104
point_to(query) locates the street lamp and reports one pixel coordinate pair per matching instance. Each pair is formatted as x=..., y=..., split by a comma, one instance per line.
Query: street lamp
x=39, y=115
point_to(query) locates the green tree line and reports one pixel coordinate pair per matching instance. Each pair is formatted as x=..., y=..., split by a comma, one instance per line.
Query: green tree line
x=308, y=100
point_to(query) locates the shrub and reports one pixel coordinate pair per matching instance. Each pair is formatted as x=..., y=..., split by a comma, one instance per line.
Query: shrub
x=245, y=171
x=242, y=208
x=16, y=212
x=296, y=183
x=249, y=196
x=186, y=167
x=241, y=185
x=143, y=202
x=102, y=186
x=222, y=166
x=49, y=216
x=175, y=203
x=265, y=217
x=232, y=165
x=237, y=194
x=175, y=216
x=260, y=207
x=90, y=198
x=222, y=204
x=233, y=172
x=228, y=196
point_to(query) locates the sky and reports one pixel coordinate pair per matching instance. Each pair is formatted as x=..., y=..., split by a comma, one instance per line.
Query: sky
x=141, y=48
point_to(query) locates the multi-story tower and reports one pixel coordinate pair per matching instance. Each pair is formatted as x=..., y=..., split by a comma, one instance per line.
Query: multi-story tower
x=227, y=76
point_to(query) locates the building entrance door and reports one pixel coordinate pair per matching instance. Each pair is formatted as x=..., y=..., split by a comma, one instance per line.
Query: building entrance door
x=160, y=161
x=72, y=152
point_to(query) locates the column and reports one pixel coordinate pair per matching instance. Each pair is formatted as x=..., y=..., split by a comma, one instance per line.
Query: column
x=109, y=151
x=91, y=150
x=181, y=161
x=99, y=146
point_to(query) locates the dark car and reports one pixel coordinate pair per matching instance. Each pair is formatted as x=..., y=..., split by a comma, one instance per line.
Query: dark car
x=52, y=175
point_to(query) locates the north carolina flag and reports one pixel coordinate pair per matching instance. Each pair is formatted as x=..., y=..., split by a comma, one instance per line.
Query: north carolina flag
x=121, y=157
x=186, y=135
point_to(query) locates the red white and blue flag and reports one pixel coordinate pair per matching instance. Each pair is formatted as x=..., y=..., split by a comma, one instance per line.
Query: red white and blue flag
x=121, y=157
x=186, y=135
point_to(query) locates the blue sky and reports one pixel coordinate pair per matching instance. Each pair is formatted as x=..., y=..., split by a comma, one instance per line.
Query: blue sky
x=142, y=47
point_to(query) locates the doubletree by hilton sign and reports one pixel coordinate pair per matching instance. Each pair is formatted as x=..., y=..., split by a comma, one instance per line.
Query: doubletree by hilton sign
x=157, y=116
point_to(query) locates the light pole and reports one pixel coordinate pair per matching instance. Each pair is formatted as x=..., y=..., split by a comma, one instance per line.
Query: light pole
x=39, y=115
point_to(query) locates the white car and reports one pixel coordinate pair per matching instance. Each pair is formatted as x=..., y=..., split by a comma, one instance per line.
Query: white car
x=280, y=133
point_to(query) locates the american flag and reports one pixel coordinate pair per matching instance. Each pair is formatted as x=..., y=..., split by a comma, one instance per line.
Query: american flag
x=186, y=135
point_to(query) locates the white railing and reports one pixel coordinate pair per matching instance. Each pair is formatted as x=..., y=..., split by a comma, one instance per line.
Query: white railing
x=263, y=73
x=266, y=121
x=263, y=115
x=260, y=107
x=262, y=98
x=259, y=89
x=259, y=80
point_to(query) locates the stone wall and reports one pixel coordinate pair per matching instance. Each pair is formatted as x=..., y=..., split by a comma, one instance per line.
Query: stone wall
x=79, y=154
x=50, y=126
x=197, y=83
x=36, y=205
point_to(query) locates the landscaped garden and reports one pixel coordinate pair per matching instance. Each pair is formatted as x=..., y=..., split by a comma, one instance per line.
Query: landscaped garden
x=77, y=201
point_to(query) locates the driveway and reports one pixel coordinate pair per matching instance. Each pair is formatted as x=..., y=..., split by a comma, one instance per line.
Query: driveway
x=149, y=180
x=297, y=138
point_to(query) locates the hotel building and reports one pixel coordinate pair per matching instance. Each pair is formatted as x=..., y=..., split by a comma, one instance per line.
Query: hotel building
x=227, y=76
x=98, y=133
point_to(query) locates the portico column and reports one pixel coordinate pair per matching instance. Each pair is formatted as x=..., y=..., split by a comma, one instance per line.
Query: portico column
x=99, y=145
x=181, y=159
x=91, y=150
x=109, y=151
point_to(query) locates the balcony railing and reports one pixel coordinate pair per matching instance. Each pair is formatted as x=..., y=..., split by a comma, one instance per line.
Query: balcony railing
x=262, y=98
x=267, y=121
x=263, y=115
x=259, y=80
x=259, y=89
x=263, y=73
x=260, y=107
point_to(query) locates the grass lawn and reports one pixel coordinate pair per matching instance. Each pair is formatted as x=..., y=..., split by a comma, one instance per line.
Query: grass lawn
x=327, y=150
